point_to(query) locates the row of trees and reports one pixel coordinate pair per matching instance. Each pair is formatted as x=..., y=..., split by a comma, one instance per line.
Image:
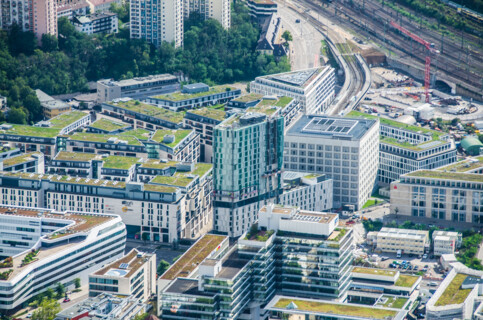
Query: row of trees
x=210, y=54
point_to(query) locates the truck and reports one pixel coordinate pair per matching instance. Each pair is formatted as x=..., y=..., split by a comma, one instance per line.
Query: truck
x=398, y=255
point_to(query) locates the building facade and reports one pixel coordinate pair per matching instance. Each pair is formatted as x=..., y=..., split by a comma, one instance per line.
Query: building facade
x=313, y=88
x=446, y=242
x=219, y=10
x=345, y=150
x=157, y=20
x=49, y=247
x=248, y=156
x=407, y=240
x=96, y=23
x=450, y=193
x=262, y=8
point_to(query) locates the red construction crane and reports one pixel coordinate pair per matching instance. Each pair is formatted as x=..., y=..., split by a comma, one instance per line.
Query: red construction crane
x=430, y=49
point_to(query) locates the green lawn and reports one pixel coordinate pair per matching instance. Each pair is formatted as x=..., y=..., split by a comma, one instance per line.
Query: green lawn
x=369, y=203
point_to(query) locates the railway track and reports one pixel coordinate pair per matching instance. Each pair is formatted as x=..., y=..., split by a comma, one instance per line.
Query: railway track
x=452, y=62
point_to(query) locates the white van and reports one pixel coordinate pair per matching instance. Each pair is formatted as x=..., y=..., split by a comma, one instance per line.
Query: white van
x=399, y=252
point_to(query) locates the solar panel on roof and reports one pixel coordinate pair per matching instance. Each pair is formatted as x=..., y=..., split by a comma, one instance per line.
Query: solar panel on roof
x=123, y=265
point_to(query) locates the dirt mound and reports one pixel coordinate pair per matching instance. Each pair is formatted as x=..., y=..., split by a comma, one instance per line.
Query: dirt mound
x=373, y=56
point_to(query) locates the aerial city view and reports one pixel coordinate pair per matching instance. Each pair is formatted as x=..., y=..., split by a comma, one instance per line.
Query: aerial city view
x=241, y=159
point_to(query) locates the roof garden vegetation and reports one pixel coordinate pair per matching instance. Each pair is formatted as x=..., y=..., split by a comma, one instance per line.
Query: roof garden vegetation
x=407, y=145
x=434, y=174
x=258, y=235
x=65, y=119
x=405, y=280
x=5, y=274
x=179, y=96
x=119, y=162
x=140, y=134
x=19, y=159
x=75, y=156
x=157, y=164
x=463, y=166
x=150, y=110
x=179, y=135
x=340, y=309
x=193, y=257
x=283, y=101
x=394, y=302
x=249, y=97
x=7, y=263
x=83, y=222
x=212, y=113
x=453, y=294
x=30, y=257
x=338, y=234
x=103, y=138
x=202, y=168
x=24, y=130
x=374, y=271
x=108, y=125
x=159, y=188
x=435, y=134
x=178, y=180
x=267, y=109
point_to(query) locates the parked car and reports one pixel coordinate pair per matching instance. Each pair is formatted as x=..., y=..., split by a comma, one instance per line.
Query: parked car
x=66, y=300
x=29, y=315
x=416, y=268
x=297, y=21
x=433, y=284
x=425, y=256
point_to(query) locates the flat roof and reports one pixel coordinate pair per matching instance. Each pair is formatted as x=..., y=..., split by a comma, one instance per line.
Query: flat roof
x=76, y=156
x=67, y=118
x=249, y=97
x=108, y=125
x=178, y=134
x=119, y=162
x=138, y=80
x=158, y=164
x=330, y=127
x=374, y=271
x=148, y=110
x=293, y=304
x=180, y=96
x=299, y=79
x=130, y=263
x=186, y=286
x=212, y=113
x=435, y=174
x=453, y=294
x=465, y=166
x=403, y=233
x=103, y=138
x=416, y=147
x=139, y=133
x=30, y=131
x=231, y=266
x=20, y=159
x=194, y=256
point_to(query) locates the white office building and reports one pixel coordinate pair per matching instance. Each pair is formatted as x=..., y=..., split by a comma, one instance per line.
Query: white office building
x=157, y=21
x=47, y=247
x=446, y=242
x=346, y=150
x=314, y=88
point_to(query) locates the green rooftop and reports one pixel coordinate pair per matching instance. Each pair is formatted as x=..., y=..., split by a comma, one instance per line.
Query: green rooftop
x=407, y=145
x=374, y=271
x=249, y=97
x=463, y=166
x=24, y=130
x=179, y=135
x=178, y=180
x=434, y=174
x=350, y=310
x=453, y=294
x=388, y=122
x=67, y=179
x=179, y=96
x=65, y=119
x=202, y=168
x=405, y=280
x=140, y=134
x=76, y=156
x=119, y=162
x=102, y=138
x=158, y=188
x=150, y=110
x=211, y=113
x=108, y=125
x=19, y=159
x=157, y=164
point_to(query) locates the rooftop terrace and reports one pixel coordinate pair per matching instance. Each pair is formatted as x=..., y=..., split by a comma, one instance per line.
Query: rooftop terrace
x=179, y=135
x=134, y=263
x=193, y=257
x=326, y=307
x=179, y=96
x=119, y=162
x=20, y=159
x=108, y=125
x=65, y=119
x=149, y=110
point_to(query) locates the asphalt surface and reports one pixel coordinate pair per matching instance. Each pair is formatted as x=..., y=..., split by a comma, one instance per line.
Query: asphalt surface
x=162, y=253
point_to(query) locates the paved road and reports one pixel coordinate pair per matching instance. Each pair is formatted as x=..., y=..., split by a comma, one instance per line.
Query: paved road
x=306, y=39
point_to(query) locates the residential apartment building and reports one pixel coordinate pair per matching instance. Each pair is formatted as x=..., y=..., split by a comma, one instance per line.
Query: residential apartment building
x=262, y=8
x=449, y=193
x=219, y=10
x=142, y=115
x=236, y=282
x=345, y=150
x=248, y=156
x=270, y=41
x=157, y=20
x=48, y=247
x=133, y=275
x=107, y=126
x=407, y=240
x=200, y=96
x=26, y=162
x=109, y=89
x=104, y=306
x=446, y=242
x=67, y=122
x=96, y=23
x=203, y=121
x=40, y=17
x=102, y=5
x=169, y=208
x=405, y=148
x=312, y=192
x=313, y=88
x=70, y=9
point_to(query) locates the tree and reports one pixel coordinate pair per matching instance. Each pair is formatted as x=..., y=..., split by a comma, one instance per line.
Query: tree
x=47, y=310
x=145, y=236
x=49, y=43
x=162, y=267
x=122, y=11
x=287, y=36
x=77, y=283
x=60, y=289
x=17, y=115
x=50, y=293
x=141, y=316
